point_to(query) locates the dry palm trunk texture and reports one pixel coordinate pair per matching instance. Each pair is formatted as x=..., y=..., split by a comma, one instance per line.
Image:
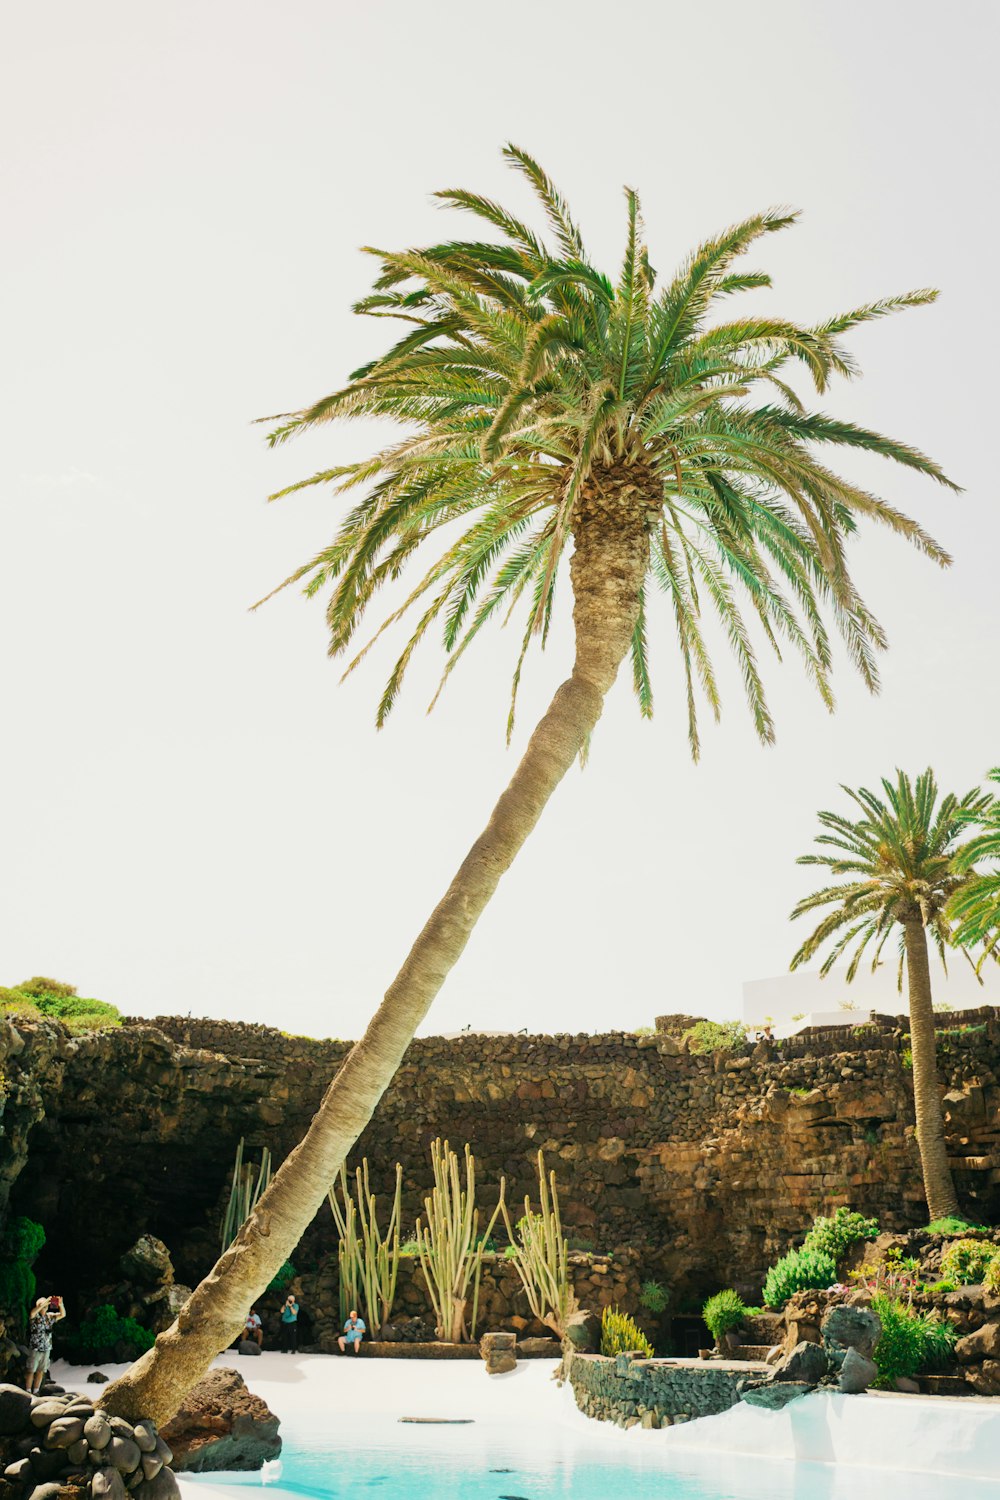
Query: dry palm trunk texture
x=611, y=534
x=939, y=1188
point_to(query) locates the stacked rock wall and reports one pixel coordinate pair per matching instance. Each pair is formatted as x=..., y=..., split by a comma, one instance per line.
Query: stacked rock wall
x=640, y=1392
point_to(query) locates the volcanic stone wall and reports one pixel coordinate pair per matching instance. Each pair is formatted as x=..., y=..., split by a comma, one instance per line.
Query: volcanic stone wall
x=706, y=1166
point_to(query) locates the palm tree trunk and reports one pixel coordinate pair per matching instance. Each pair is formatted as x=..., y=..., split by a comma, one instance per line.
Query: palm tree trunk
x=607, y=568
x=938, y=1185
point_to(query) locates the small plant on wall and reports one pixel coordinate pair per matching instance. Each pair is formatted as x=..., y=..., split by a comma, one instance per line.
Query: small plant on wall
x=621, y=1335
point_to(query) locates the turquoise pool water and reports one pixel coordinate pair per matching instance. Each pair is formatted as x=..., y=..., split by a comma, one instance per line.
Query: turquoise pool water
x=376, y=1456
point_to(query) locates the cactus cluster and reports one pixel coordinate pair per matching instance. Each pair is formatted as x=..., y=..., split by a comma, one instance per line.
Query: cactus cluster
x=541, y=1257
x=450, y=1244
x=369, y=1261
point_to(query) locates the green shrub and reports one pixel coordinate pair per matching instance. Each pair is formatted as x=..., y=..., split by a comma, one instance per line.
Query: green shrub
x=722, y=1312
x=910, y=1343
x=991, y=1277
x=835, y=1235
x=282, y=1278
x=654, y=1297
x=39, y=997
x=942, y=1286
x=965, y=1261
x=99, y=1335
x=951, y=1225
x=410, y=1247
x=715, y=1036
x=54, y=989
x=619, y=1335
x=19, y=1248
x=798, y=1271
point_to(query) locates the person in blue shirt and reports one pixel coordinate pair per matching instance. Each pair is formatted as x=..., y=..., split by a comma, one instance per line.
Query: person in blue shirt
x=290, y=1325
x=354, y=1331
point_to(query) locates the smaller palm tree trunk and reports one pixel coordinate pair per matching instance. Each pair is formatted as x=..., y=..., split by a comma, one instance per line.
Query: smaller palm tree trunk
x=938, y=1185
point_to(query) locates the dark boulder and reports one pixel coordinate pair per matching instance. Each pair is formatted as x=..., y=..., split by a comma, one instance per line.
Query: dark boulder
x=773, y=1395
x=15, y=1408
x=807, y=1362
x=856, y=1373
x=848, y=1327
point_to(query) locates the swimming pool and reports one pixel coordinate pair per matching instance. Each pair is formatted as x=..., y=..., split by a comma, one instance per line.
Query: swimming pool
x=520, y=1437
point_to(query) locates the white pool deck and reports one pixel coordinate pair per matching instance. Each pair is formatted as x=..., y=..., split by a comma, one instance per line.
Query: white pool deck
x=921, y=1434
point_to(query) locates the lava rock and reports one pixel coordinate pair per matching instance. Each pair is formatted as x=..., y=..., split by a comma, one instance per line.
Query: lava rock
x=499, y=1352
x=248, y=1346
x=807, y=1362
x=107, y=1484
x=148, y=1262
x=773, y=1395
x=47, y=1464
x=97, y=1430
x=848, y=1327
x=983, y=1344
x=44, y=1412
x=163, y=1487
x=63, y=1432
x=123, y=1454
x=856, y=1373
x=221, y=1425
x=15, y=1409
x=45, y=1492
x=144, y=1434
x=97, y=1377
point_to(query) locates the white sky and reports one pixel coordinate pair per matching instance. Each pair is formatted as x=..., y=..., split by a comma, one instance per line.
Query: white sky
x=195, y=816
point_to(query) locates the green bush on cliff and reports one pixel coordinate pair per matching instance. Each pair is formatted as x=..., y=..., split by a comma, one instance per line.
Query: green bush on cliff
x=798, y=1271
x=833, y=1236
x=38, y=998
x=19, y=1247
x=715, y=1036
x=621, y=1335
x=106, y=1335
x=724, y=1311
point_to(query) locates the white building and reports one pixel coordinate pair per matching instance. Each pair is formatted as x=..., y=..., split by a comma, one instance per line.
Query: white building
x=791, y=1001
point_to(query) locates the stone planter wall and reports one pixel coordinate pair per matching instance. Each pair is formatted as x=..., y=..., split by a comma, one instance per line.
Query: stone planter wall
x=503, y=1307
x=653, y=1393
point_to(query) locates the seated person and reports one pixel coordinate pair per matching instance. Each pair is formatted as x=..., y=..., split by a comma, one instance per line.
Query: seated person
x=354, y=1330
x=252, y=1328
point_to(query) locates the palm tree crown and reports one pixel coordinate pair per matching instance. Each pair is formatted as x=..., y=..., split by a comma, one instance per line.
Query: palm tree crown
x=902, y=859
x=526, y=376
x=975, y=907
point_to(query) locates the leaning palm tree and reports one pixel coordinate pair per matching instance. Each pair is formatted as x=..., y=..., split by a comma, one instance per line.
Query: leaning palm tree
x=975, y=906
x=546, y=411
x=902, y=863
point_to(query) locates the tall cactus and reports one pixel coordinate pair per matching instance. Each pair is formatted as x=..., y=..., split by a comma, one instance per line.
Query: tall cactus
x=369, y=1263
x=541, y=1257
x=450, y=1244
x=247, y=1185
